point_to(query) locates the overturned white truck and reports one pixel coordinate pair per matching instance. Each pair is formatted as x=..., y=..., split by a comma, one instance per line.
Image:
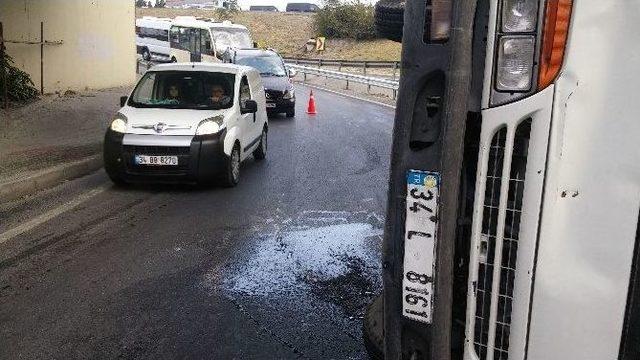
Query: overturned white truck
x=512, y=222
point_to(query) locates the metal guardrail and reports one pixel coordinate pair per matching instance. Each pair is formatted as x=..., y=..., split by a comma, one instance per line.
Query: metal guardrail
x=345, y=63
x=361, y=79
x=361, y=64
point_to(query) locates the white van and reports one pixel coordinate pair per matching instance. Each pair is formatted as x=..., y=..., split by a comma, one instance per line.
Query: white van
x=188, y=123
x=200, y=39
x=152, y=37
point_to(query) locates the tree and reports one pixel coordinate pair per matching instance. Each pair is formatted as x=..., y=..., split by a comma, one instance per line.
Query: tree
x=149, y=4
x=161, y=3
x=140, y=3
x=19, y=84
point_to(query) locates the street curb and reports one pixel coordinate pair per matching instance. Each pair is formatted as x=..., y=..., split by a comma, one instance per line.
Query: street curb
x=47, y=178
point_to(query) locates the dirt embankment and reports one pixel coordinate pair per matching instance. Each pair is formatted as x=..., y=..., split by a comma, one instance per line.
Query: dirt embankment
x=288, y=34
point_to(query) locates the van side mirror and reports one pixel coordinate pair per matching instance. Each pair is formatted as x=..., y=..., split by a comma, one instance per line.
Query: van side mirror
x=249, y=106
x=255, y=44
x=123, y=100
x=292, y=73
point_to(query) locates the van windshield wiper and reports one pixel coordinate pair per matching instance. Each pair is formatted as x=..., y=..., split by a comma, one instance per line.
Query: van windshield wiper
x=269, y=74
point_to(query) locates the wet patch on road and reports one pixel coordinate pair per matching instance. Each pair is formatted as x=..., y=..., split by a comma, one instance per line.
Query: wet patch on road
x=315, y=251
x=307, y=280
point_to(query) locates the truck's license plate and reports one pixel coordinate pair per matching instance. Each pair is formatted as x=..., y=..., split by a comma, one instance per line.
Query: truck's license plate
x=156, y=160
x=419, y=244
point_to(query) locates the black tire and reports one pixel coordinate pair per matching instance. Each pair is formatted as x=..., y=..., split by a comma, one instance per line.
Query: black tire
x=389, y=19
x=291, y=113
x=373, y=329
x=231, y=175
x=146, y=55
x=261, y=152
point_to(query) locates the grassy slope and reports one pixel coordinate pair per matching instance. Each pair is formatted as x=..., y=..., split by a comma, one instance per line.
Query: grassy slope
x=288, y=33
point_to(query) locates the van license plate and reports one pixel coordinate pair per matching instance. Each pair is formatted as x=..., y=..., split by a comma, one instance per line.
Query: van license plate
x=156, y=160
x=420, y=239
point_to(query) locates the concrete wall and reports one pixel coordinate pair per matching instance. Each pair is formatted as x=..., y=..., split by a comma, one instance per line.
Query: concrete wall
x=99, y=48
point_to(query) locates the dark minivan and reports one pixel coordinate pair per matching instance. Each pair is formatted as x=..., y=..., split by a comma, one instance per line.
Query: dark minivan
x=276, y=78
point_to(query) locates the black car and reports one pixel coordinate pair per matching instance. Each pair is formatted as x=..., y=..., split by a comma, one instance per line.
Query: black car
x=276, y=78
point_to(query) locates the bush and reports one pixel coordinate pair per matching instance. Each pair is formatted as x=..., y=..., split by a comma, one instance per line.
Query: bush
x=353, y=20
x=19, y=84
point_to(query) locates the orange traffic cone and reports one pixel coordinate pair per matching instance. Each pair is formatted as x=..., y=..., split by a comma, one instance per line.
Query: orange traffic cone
x=311, y=109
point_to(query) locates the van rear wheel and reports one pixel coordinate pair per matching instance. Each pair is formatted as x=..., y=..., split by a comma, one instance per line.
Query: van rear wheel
x=261, y=152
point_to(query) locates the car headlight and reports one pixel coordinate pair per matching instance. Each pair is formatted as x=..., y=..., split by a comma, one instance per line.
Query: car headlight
x=119, y=123
x=210, y=126
x=288, y=94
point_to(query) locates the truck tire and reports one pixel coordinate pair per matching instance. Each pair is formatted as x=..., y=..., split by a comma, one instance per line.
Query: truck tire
x=373, y=329
x=389, y=19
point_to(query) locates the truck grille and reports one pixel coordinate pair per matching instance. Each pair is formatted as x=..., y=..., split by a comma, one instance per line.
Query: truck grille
x=498, y=242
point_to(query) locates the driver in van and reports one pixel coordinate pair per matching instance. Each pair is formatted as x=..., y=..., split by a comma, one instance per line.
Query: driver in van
x=218, y=97
x=174, y=93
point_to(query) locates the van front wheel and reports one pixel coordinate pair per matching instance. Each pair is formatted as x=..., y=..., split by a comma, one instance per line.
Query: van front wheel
x=232, y=168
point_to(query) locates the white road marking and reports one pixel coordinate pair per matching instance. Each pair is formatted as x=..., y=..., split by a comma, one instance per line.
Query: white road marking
x=41, y=219
x=345, y=95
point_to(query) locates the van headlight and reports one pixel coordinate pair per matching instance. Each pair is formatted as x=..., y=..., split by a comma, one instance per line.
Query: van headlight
x=210, y=126
x=119, y=123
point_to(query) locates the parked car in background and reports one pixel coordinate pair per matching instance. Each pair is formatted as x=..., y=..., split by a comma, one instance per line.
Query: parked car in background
x=279, y=92
x=263, y=8
x=152, y=37
x=302, y=7
x=188, y=123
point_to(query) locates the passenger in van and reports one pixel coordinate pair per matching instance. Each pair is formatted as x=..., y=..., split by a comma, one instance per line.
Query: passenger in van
x=218, y=97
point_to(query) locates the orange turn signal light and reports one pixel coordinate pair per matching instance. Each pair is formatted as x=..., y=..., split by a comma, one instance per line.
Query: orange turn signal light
x=554, y=40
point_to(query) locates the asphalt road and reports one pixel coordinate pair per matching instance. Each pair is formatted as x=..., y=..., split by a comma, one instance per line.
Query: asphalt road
x=279, y=267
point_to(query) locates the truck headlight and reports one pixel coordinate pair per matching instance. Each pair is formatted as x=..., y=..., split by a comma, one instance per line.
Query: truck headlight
x=515, y=63
x=210, y=126
x=288, y=94
x=519, y=15
x=119, y=123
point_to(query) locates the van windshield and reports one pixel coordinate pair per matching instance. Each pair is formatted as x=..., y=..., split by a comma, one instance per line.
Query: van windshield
x=184, y=90
x=267, y=65
x=234, y=38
